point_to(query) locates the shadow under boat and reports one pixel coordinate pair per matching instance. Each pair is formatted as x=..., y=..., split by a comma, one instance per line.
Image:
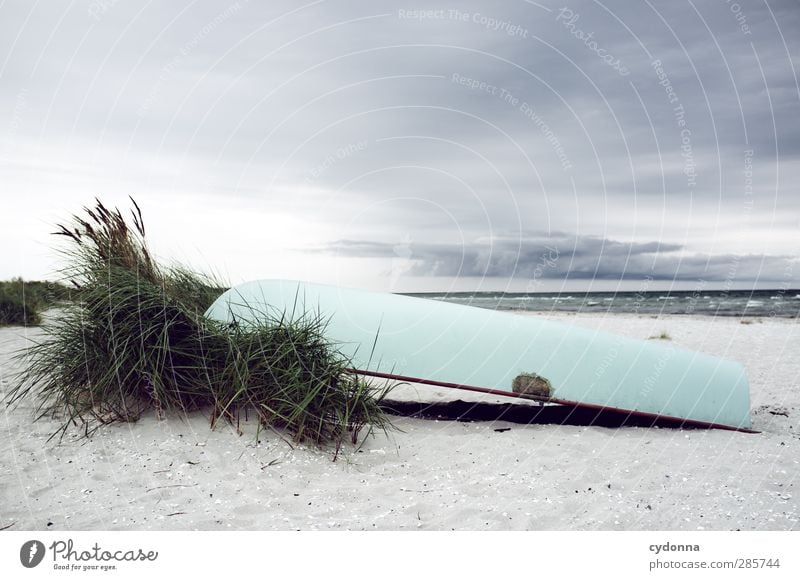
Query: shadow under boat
x=547, y=414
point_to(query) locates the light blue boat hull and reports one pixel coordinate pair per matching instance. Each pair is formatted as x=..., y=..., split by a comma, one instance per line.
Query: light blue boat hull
x=461, y=346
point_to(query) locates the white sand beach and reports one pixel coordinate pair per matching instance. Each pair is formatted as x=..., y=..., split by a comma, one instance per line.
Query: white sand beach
x=177, y=474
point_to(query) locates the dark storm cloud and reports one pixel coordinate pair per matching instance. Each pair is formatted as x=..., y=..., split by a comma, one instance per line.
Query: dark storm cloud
x=560, y=256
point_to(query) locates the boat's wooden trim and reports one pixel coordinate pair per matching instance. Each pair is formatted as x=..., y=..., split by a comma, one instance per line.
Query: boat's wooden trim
x=678, y=420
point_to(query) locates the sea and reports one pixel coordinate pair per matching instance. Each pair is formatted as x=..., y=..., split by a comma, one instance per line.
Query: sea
x=738, y=303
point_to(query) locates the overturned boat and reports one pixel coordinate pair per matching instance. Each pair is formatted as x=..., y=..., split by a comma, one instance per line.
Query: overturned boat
x=464, y=347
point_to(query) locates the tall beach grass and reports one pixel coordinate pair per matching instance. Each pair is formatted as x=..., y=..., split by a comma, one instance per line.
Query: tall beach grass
x=15, y=307
x=22, y=303
x=136, y=339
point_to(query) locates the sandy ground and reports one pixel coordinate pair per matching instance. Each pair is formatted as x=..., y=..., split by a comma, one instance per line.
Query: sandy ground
x=177, y=474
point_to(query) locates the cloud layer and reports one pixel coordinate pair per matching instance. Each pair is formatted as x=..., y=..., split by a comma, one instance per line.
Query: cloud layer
x=673, y=126
x=561, y=256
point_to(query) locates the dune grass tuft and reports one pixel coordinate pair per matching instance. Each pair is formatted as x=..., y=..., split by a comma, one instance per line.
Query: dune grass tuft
x=17, y=308
x=21, y=302
x=663, y=336
x=136, y=338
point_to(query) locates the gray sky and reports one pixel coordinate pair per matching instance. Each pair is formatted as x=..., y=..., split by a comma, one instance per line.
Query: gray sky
x=410, y=147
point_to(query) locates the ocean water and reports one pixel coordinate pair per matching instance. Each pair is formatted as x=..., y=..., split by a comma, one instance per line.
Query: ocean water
x=755, y=303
